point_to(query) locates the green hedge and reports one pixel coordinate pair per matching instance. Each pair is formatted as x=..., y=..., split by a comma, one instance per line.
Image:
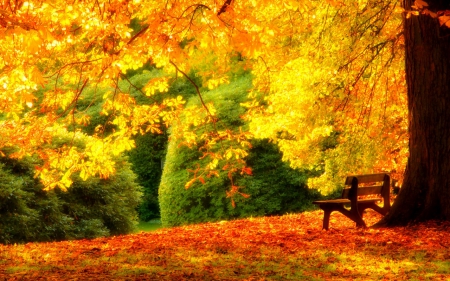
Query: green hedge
x=147, y=157
x=92, y=208
x=274, y=187
x=146, y=160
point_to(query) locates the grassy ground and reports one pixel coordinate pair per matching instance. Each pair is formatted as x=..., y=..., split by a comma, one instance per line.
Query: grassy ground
x=291, y=247
x=149, y=226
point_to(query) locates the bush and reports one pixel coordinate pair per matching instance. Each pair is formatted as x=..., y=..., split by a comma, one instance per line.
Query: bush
x=92, y=208
x=147, y=159
x=275, y=188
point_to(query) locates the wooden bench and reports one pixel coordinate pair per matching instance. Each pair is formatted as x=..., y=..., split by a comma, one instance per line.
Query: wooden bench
x=374, y=184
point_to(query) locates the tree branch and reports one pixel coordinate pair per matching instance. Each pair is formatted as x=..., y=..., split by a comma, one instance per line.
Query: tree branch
x=224, y=7
x=197, y=89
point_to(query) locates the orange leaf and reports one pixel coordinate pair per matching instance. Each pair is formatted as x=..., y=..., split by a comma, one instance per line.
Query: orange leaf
x=246, y=170
x=444, y=20
x=245, y=195
x=420, y=4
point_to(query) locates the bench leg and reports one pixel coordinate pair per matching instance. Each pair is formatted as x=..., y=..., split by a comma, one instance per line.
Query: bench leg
x=363, y=207
x=353, y=215
x=376, y=208
x=327, y=212
x=326, y=218
x=357, y=217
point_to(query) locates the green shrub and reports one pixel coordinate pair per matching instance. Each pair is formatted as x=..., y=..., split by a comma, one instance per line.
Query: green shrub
x=274, y=187
x=92, y=208
x=147, y=159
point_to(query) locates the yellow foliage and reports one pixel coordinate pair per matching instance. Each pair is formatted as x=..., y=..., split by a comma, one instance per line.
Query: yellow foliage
x=157, y=85
x=319, y=72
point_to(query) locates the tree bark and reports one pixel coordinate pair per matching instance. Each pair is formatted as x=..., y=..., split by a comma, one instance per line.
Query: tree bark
x=425, y=193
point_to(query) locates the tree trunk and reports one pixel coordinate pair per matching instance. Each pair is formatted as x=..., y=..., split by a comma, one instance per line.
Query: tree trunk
x=425, y=193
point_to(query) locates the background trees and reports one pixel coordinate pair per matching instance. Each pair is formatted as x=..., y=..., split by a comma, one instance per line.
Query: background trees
x=148, y=156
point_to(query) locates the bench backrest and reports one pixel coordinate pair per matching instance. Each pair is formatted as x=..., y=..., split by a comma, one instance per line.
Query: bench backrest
x=381, y=185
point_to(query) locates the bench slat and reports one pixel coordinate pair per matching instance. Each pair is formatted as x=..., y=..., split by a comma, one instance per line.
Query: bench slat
x=345, y=201
x=333, y=201
x=364, y=190
x=365, y=178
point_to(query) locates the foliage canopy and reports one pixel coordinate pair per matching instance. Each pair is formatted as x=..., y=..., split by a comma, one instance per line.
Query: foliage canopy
x=321, y=69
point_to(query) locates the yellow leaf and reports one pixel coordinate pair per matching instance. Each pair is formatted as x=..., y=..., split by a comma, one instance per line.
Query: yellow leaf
x=83, y=174
x=444, y=20
x=36, y=76
x=155, y=85
x=189, y=183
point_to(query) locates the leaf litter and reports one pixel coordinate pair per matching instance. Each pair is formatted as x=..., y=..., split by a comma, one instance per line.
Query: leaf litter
x=289, y=247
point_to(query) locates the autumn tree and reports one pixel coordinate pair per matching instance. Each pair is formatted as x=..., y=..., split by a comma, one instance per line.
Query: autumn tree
x=68, y=46
x=425, y=193
x=324, y=72
x=341, y=84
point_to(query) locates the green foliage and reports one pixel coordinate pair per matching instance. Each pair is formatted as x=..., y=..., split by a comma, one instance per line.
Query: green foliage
x=17, y=218
x=149, y=226
x=146, y=159
x=275, y=188
x=150, y=149
x=92, y=208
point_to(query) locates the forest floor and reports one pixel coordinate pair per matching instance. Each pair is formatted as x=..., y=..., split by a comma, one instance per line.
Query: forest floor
x=290, y=247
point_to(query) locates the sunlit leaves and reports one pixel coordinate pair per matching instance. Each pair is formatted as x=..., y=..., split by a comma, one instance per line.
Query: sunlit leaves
x=332, y=82
x=422, y=7
x=214, y=82
x=319, y=68
x=80, y=44
x=156, y=85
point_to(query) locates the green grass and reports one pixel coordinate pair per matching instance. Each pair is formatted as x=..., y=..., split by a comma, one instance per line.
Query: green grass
x=149, y=226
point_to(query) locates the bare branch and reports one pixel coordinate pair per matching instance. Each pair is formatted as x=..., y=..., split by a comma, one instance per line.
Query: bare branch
x=224, y=7
x=197, y=89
